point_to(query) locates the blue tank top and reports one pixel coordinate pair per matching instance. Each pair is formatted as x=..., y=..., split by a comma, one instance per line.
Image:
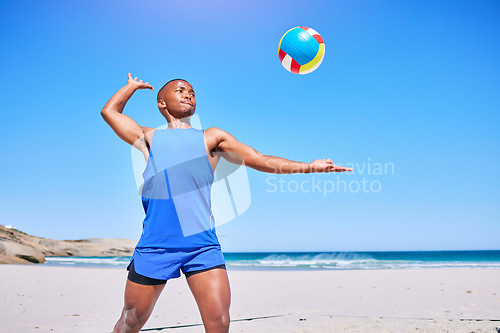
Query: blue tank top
x=176, y=193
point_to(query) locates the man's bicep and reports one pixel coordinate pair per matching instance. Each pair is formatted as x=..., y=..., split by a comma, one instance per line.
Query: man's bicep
x=237, y=152
x=124, y=126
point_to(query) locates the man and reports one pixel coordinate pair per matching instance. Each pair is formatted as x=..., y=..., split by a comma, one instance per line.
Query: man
x=178, y=233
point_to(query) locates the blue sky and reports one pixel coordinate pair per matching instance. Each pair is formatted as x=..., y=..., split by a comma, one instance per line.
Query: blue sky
x=412, y=85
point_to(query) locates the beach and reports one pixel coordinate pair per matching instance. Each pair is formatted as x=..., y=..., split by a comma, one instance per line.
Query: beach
x=41, y=298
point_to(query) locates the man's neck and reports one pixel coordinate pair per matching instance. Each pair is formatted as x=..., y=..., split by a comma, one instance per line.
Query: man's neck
x=179, y=124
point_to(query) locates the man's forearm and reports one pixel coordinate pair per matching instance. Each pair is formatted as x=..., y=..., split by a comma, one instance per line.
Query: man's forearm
x=274, y=164
x=119, y=99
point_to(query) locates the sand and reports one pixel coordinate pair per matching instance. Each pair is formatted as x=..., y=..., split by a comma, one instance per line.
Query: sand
x=39, y=298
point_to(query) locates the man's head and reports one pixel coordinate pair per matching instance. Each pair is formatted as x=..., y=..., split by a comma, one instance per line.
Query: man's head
x=176, y=98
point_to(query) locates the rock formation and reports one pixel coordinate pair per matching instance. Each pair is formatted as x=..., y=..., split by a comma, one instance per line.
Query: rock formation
x=18, y=247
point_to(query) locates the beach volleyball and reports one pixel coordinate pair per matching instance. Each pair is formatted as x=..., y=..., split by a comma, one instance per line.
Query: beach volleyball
x=301, y=50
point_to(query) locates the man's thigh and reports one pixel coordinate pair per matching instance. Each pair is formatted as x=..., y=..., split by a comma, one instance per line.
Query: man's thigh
x=211, y=291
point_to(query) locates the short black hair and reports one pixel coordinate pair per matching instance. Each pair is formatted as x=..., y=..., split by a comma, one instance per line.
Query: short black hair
x=159, y=91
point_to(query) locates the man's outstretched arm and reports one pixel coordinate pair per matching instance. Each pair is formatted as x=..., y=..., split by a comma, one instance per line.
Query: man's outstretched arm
x=124, y=126
x=239, y=153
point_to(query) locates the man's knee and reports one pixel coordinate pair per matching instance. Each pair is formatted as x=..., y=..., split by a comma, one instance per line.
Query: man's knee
x=133, y=318
x=128, y=321
x=220, y=323
x=224, y=321
x=130, y=318
x=137, y=311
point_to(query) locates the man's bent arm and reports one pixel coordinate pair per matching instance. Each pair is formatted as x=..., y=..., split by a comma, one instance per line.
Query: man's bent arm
x=124, y=126
x=240, y=153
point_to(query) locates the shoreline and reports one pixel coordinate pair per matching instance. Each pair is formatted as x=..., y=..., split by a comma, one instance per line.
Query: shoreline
x=280, y=269
x=87, y=299
x=316, y=261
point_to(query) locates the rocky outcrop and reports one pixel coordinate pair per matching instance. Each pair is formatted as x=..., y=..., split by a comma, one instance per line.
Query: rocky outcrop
x=19, y=247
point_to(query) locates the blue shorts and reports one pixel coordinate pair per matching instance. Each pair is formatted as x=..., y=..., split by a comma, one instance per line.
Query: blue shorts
x=165, y=264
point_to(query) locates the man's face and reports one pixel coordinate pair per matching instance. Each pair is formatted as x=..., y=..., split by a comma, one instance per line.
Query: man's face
x=179, y=99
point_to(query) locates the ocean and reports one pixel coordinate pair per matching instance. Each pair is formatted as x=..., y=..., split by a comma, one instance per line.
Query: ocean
x=322, y=260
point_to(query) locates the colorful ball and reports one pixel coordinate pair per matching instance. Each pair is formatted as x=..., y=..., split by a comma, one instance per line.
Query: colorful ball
x=301, y=50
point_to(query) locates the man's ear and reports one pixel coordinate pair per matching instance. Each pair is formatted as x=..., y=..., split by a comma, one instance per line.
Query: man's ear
x=162, y=104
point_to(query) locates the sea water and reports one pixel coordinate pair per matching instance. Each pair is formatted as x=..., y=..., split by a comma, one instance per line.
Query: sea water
x=322, y=260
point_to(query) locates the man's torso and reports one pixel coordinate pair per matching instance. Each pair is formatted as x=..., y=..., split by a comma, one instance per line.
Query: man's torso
x=210, y=145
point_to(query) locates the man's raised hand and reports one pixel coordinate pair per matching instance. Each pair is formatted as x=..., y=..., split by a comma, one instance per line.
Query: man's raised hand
x=138, y=84
x=327, y=166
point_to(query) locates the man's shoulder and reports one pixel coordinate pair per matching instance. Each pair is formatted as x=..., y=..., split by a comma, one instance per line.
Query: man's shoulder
x=215, y=132
x=147, y=130
x=215, y=136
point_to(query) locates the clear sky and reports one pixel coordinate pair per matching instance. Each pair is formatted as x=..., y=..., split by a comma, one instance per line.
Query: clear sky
x=413, y=86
